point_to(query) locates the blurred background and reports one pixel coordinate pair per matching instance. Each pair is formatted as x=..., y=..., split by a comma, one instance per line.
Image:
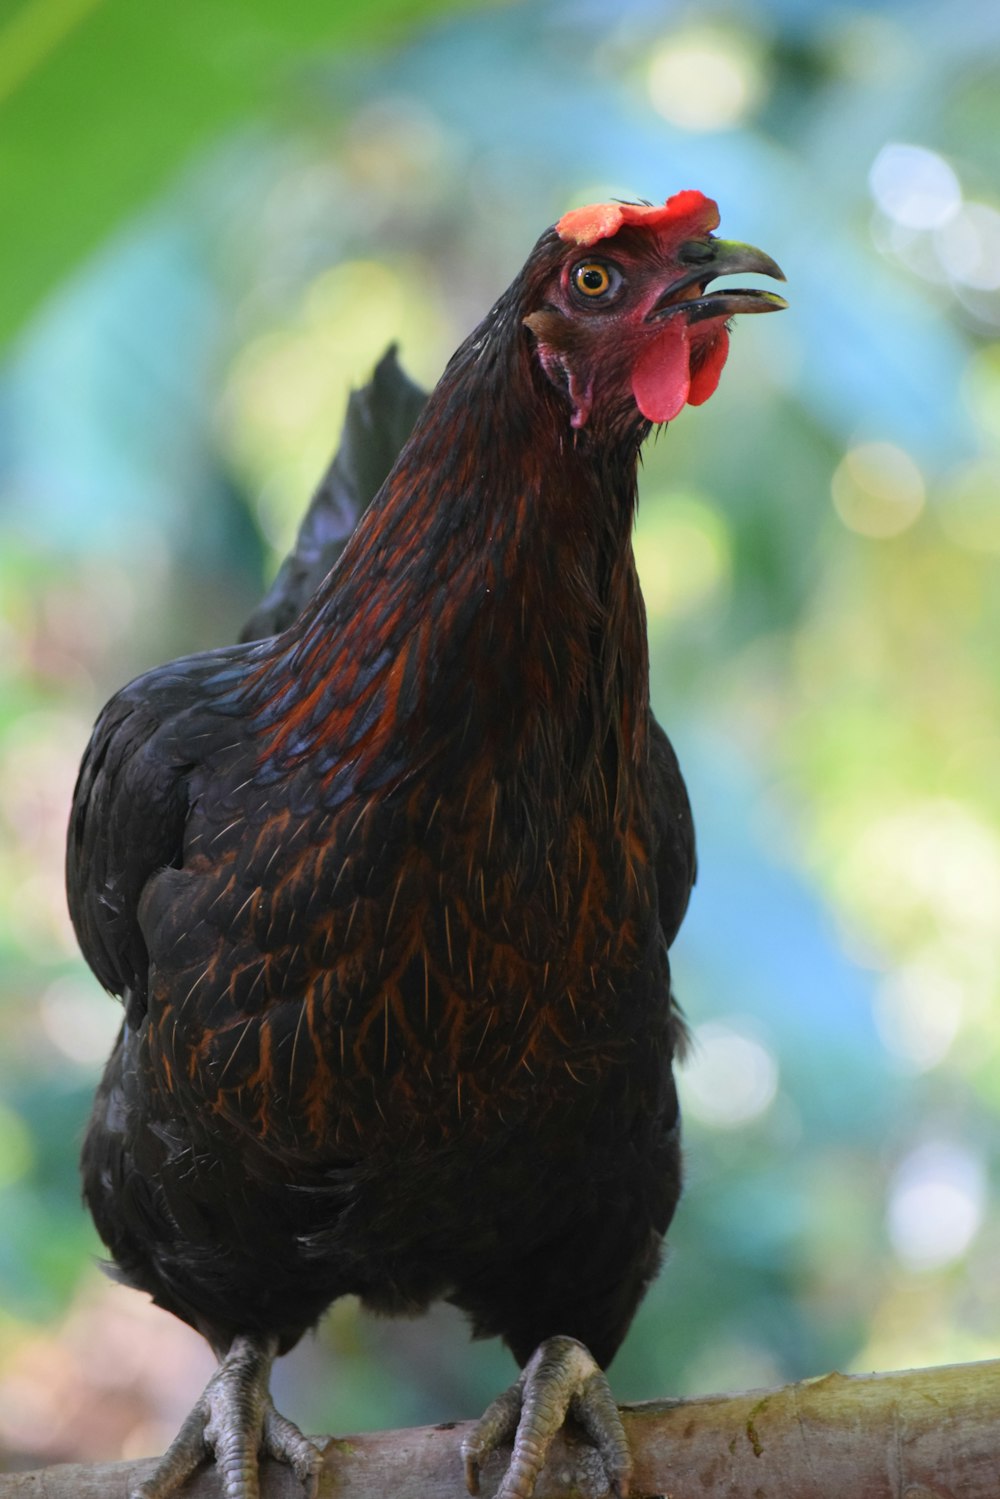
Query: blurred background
x=215, y=217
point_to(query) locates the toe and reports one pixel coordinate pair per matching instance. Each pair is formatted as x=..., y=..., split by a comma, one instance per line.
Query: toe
x=595, y=1409
x=561, y=1378
x=186, y=1453
x=497, y=1427
x=235, y=1420
x=283, y=1441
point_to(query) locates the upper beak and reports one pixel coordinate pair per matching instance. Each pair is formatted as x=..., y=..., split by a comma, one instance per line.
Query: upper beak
x=721, y=257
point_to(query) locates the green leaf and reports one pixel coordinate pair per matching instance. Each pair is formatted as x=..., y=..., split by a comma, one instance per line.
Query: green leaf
x=102, y=102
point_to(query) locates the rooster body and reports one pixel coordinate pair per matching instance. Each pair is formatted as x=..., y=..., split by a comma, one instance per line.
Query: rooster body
x=388, y=896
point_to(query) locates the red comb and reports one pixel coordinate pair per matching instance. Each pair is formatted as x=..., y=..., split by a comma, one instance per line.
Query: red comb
x=689, y=210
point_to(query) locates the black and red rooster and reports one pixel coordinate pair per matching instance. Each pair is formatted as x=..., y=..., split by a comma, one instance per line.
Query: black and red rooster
x=388, y=895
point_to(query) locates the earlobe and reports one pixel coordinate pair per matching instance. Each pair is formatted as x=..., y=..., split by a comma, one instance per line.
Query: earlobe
x=555, y=341
x=582, y=396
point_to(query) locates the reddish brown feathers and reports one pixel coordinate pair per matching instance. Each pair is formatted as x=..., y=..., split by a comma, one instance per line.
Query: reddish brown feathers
x=388, y=895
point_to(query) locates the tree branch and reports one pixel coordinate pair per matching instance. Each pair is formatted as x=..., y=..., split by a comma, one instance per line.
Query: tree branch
x=924, y=1434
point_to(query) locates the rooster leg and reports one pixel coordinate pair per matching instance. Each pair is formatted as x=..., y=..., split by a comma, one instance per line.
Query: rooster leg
x=560, y=1379
x=235, y=1420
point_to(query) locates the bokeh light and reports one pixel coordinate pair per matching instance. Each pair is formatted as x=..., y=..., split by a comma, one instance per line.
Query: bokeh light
x=932, y=864
x=914, y=186
x=706, y=79
x=968, y=245
x=878, y=490
x=682, y=552
x=730, y=1077
x=78, y=1020
x=918, y=1010
x=936, y=1202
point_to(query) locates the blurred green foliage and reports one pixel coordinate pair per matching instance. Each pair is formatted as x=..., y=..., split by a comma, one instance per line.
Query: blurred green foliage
x=230, y=210
x=102, y=103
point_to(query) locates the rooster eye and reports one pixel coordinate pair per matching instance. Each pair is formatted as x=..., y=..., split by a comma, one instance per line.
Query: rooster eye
x=595, y=278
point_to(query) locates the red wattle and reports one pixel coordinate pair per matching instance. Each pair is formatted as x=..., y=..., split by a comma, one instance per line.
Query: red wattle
x=661, y=380
x=706, y=377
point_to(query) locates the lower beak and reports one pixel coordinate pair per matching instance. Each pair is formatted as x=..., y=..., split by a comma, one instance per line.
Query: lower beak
x=727, y=258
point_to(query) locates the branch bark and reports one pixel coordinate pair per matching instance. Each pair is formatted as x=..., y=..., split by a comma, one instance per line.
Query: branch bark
x=922, y=1434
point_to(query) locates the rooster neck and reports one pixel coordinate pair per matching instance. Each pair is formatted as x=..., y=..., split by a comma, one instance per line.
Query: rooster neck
x=489, y=593
x=496, y=501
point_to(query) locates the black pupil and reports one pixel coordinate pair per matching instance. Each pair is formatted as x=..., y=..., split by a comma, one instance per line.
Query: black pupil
x=593, y=278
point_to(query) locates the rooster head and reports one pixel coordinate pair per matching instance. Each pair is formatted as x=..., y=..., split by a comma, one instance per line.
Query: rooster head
x=625, y=324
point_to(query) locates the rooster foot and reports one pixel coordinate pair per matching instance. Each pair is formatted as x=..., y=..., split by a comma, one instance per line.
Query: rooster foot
x=235, y=1420
x=560, y=1379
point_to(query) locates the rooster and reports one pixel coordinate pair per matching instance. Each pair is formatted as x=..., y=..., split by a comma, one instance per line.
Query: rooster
x=387, y=896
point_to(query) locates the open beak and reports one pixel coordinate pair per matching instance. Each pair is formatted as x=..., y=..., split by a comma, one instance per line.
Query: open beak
x=721, y=257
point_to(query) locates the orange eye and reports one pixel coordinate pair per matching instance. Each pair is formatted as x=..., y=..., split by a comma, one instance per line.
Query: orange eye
x=594, y=278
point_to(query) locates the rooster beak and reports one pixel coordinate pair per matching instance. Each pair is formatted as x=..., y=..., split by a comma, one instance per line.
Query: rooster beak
x=720, y=257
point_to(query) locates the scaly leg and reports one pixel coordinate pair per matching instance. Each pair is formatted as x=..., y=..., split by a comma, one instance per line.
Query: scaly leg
x=235, y=1420
x=560, y=1378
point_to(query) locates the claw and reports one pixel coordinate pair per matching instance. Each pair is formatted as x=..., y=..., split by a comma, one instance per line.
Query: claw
x=561, y=1378
x=235, y=1420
